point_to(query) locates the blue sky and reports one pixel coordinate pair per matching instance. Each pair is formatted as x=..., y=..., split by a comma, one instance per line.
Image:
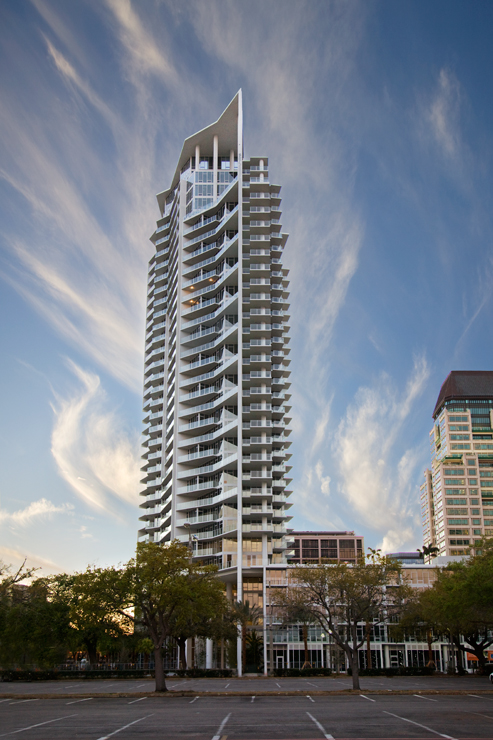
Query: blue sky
x=377, y=119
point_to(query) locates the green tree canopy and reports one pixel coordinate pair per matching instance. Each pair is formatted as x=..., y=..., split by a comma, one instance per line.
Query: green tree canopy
x=345, y=595
x=160, y=590
x=460, y=603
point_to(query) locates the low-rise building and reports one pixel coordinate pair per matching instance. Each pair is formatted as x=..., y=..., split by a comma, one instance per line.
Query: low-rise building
x=319, y=547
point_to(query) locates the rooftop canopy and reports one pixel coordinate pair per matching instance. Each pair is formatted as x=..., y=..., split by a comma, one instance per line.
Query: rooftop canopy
x=472, y=385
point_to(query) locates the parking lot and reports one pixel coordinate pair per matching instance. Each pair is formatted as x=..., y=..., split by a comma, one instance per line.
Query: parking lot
x=88, y=687
x=260, y=717
x=308, y=709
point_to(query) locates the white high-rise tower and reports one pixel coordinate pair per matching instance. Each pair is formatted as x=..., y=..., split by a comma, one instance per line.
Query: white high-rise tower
x=216, y=385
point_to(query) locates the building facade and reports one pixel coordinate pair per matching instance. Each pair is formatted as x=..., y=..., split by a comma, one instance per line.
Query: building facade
x=320, y=547
x=284, y=646
x=457, y=493
x=216, y=379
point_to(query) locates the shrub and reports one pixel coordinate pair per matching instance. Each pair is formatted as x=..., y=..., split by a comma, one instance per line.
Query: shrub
x=296, y=672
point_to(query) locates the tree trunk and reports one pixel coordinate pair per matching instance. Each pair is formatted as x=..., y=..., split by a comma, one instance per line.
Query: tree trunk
x=368, y=646
x=159, y=670
x=354, y=657
x=222, y=654
x=92, y=652
x=479, y=653
x=355, y=670
x=182, y=645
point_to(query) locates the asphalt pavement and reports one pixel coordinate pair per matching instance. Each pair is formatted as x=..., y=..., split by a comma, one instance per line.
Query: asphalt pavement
x=89, y=687
x=308, y=717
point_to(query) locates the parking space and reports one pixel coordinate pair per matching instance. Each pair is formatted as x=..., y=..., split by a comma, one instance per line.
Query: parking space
x=256, y=717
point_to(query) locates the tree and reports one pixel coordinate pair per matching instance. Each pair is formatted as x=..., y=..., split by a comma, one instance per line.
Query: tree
x=35, y=625
x=420, y=618
x=254, y=649
x=429, y=551
x=343, y=596
x=153, y=590
x=92, y=611
x=460, y=603
x=8, y=579
x=203, y=614
x=291, y=603
x=245, y=616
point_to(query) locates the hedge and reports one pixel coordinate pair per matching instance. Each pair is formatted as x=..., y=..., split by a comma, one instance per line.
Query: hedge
x=280, y=672
x=401, y=671
x=19, y=674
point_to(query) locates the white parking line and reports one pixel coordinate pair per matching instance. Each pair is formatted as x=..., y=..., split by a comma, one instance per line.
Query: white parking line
x=322, y=729
x=226, y=686
x=278, y=684
x=77, y=701
x=217, y=736
x=2, y=700
x=449, y=737
x=23, y=729
x=418, y=696
x=140, y=685
x=478, y=697
x=191, y=702
x=309, y=697
x=367, y=697
x=105, y=737
x=253, y=699
x=141, y=699
x=22, y=701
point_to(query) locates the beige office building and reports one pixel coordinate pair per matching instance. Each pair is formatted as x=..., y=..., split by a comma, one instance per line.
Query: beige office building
x=457, y=493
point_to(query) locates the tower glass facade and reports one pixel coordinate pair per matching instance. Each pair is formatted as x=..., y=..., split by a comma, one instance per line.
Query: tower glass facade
x=216, y=378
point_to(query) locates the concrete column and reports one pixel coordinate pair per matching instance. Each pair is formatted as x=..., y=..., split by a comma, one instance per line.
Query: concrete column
x=197, y=157
x=239, y=656
x=208, y=653
x=231, y=159
x=264, y=610
x=215, y=154
x=189, y=653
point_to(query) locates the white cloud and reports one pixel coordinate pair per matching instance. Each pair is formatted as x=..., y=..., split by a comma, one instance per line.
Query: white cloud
x=42, y=509
x=144, y=53
x=444, y=112
x=16, y=558
x=376, y=486
x=94, y=454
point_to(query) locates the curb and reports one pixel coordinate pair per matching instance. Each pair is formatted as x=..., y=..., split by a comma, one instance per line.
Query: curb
x=258, y=694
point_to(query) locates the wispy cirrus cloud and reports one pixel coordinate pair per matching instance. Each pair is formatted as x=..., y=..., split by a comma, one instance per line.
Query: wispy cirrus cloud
x=143, y=52
x=377, y=480
x=16, y=557
x=94, y=454
x=35, y=511
x=444, y=113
